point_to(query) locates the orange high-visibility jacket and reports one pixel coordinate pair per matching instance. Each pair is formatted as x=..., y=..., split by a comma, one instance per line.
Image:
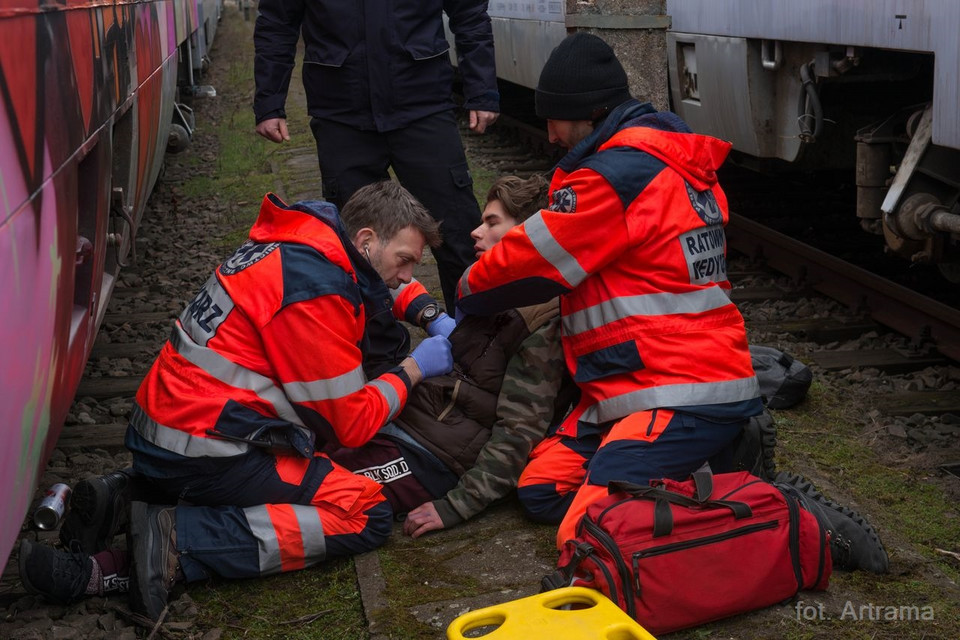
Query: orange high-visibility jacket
x=269, y=351
x=633, y=240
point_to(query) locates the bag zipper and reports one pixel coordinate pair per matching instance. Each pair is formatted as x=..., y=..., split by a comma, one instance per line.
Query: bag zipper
x=823, y=552
x=610, y=545
x=689, y=544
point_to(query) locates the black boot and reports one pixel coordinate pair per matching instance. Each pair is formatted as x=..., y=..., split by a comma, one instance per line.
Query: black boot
x=152, y=546
x=854, y=544
x=754, y=448
x=98, y=511
x=58, y=576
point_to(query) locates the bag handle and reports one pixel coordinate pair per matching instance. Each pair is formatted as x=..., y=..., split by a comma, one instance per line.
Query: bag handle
x=663, y=498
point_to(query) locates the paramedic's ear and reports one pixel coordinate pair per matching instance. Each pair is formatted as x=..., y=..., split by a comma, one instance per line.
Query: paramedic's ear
x=363, y=239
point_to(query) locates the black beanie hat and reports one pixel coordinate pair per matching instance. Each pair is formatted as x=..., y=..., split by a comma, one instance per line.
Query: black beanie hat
x=582, y=77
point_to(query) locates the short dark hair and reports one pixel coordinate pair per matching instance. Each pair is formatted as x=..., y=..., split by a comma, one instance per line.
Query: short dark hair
x=388, y=208
x=521, y=198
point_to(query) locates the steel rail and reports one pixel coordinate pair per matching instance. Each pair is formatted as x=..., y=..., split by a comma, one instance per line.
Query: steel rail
x=922, y=319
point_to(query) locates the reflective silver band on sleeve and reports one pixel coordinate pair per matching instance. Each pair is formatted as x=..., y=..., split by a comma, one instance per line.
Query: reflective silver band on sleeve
x=233, y=374
x=674, y=395
x=653, y=304
x=465, y=282
x=327, y=389
x=548, y=247
x=390, y=395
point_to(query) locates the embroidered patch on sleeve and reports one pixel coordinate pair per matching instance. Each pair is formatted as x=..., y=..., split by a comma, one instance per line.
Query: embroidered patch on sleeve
x=247, y=255
x=705, y=204
x=564, y=200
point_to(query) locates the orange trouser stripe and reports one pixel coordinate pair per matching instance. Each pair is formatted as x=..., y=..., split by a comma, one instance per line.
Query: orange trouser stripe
x=289, y=536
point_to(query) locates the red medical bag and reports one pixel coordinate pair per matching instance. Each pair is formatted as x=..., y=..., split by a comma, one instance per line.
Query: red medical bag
x=678, y=554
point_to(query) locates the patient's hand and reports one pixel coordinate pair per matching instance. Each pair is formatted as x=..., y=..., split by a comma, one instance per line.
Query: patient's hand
x=421, y=520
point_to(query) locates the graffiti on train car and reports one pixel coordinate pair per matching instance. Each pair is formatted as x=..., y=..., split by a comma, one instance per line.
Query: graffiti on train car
x=86, y=96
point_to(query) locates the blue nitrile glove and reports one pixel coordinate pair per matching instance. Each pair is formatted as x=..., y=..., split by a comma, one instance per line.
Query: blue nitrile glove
x=442, y=326
x=433, y=356
x=459, y=315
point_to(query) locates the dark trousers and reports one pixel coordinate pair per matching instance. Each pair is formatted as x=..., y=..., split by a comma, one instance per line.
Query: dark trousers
x=428, y=159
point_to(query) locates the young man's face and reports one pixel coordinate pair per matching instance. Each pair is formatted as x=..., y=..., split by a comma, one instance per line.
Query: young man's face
x=567, y=133
x=494, y=223
x=395, y=259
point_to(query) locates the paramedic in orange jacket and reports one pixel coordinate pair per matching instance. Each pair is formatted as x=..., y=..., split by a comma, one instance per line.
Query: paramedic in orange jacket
x=633, y=242
x=263, y=370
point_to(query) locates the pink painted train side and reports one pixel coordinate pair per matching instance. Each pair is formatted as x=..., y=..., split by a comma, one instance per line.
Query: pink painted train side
x=87, y=100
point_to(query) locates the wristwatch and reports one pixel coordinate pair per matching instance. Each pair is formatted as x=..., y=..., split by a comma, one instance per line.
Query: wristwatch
x=429, y=313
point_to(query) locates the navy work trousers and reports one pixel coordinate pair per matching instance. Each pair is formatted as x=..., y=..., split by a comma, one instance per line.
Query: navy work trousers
x=428, y=159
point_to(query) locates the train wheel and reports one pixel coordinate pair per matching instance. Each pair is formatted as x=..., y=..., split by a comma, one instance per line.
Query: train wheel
x=178, y=140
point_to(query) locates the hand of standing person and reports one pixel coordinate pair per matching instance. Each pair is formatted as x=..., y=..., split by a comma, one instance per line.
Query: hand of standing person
x=274, y=129
x=421, y=520
x=480, y=120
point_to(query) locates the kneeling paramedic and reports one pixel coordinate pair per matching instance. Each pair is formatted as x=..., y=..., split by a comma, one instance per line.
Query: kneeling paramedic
x=263, y=370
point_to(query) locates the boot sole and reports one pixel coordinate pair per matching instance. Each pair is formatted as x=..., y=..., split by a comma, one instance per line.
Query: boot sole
x=88, y=506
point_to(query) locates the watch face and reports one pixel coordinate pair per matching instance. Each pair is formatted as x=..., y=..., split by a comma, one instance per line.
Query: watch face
x=430, y=312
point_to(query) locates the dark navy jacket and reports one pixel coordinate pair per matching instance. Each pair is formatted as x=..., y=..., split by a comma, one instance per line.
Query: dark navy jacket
x=373, y=64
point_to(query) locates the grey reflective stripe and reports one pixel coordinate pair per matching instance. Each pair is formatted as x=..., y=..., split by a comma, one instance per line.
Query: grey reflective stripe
x=652, y=304
x=207, y=311
x=311, y=531
x=544, y=242
x=464, y=285
x=673, y=395
x=180, y=441
x=233, y=374
x=390, y=395
x=311, y=528
x=328, y=389
x=269, y=546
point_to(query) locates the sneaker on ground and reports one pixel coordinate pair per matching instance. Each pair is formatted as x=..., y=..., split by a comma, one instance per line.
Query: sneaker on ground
x=98, y=511
x=152, y=546
x=58, y=576
x=854, y=544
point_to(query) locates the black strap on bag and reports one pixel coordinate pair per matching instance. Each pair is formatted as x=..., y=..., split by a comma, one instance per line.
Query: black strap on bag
x=563, y=576
x=663, y=498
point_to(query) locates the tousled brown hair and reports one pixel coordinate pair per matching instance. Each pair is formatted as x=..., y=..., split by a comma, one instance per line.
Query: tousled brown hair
x=521, y=198
x=387, y=208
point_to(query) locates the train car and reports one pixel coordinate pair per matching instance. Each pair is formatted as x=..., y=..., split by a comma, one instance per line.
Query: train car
x=89, y=93
x=871, y=87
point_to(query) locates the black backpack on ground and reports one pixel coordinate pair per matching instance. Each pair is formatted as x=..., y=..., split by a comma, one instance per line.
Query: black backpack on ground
x=784, y=380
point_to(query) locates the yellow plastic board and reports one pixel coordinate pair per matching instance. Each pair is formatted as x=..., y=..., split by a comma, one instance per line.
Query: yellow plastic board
x=571, y=613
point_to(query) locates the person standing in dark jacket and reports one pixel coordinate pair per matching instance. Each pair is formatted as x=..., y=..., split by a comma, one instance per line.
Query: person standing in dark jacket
x=379, y=93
